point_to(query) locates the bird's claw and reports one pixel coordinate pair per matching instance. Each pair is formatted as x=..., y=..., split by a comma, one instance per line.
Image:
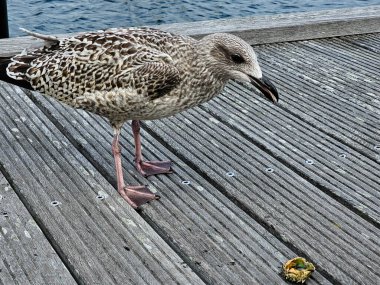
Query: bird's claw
x=137, y=195
x=148, y=168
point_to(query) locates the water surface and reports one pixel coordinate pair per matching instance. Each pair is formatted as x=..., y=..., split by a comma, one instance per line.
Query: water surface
x=56, y=16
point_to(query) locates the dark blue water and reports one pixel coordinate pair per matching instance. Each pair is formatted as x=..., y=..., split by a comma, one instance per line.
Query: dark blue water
x=56, y=16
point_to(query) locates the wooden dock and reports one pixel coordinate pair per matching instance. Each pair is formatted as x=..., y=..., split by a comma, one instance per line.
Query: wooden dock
x=254, y=184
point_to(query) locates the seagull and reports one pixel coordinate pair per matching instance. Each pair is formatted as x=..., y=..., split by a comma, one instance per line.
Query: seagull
x=135, y=74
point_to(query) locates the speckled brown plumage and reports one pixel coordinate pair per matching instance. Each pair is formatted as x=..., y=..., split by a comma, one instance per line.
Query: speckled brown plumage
x=136, y=74
x=121, y=74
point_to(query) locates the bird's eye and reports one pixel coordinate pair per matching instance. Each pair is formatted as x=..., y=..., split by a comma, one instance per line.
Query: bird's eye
x=237, y=58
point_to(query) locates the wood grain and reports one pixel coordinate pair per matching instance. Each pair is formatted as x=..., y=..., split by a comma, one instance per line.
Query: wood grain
x=100, y=241
x=200, y=223
x=26, y=256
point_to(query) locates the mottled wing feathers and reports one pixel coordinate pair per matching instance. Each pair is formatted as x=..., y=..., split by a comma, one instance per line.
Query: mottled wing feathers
x=155, y=78
x=4, y=62
x=133, y=59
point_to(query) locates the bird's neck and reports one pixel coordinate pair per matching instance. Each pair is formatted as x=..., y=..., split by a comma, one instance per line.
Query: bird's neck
x=205, y=83
x=209, y=74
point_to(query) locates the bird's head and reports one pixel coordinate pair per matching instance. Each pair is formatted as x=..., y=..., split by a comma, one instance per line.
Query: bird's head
x=233, y=58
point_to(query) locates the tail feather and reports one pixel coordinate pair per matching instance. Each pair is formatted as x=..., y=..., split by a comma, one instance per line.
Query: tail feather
x=47, y=38
x=4, y=62
x=13, y=69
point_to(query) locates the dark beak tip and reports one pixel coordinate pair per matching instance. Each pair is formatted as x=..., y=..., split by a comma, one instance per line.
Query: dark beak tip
x=271, y=89
x=276, y=98
x=274, y=101
x=267, y=88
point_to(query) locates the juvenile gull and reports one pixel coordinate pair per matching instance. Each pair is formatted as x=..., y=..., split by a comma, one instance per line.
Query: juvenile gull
x=135, y=74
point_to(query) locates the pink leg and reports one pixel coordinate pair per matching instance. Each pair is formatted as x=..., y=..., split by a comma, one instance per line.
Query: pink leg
x=134, y=195
x=147, y=168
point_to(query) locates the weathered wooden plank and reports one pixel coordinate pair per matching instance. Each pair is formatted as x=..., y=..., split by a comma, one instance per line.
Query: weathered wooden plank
x=370, y=42
x=333, y=58
x=219, y=240
x=101, y=241
x=346, y=106
x=288, y=27
x=299, y=212
x=26, y=257
x=340, y=170
x=342, y=54
x=261, y=29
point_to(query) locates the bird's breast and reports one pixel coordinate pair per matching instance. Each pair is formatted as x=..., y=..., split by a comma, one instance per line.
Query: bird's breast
x=180, y=99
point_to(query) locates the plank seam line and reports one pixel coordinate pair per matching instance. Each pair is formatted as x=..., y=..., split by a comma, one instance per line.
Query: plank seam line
x=104, y=173
x=308, y=128
x=203, y=175
x=202, y=137
x=338, y=56
x=39, y=223
x=112, y=181
x=44, y=231
x=205, y=138
x=176, y=168
x=331, y=135
x=346, y=40
x=358, y=45
x=66, y=173
x=8, y=267
x=244, y=208
x=21, y=264
x=88, y=156
x=298, y=172
x=365, y=98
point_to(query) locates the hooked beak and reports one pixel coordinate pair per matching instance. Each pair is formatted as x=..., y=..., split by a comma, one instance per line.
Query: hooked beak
x=266, y=87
